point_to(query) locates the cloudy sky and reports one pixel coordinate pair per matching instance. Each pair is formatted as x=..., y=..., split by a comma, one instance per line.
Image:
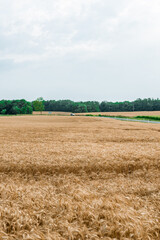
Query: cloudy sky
x=79, y=49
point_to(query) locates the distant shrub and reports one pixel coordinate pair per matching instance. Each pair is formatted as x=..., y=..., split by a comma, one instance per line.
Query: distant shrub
x=154, y=118
x=3, y=111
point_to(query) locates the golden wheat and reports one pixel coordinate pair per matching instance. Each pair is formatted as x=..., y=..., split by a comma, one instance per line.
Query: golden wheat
x=79, y=178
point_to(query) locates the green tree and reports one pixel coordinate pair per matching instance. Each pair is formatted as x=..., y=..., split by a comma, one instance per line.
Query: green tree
x=15, y=110
x=80, y=108
x=3, y=111
x=38, y=105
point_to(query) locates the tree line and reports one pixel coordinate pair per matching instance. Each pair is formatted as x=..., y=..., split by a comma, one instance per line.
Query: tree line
x=25, y=107
x=13, y=107
x=147, y=104
x=71, y=106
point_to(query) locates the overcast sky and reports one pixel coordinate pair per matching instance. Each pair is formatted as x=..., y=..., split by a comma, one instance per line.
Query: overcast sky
x=79, y=49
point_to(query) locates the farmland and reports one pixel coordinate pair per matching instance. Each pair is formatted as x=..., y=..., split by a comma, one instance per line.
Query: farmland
x=79, y=178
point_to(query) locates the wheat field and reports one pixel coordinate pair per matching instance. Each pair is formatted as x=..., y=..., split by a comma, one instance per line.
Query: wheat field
x=79, y=178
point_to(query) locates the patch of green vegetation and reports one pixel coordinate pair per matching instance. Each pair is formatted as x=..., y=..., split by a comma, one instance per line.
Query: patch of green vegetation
x=151, y=118
x=107, y=116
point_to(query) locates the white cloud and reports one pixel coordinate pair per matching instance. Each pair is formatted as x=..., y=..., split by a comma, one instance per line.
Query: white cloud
x=98, y=44
x=52, y=26
x=92, y=28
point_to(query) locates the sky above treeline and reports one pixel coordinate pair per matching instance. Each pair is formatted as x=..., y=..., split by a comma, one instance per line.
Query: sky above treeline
x=79, y=49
